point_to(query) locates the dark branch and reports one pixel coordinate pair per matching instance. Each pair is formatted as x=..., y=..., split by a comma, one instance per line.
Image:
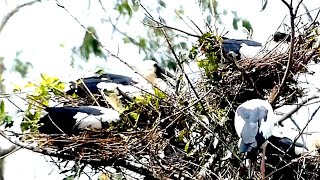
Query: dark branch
x=6, y=18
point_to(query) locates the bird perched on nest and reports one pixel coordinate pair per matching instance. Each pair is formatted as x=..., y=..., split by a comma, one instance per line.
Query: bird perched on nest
x=254, y=122
x=152, y=75
x=150, y=70
x=66, y=120
x=92, y=82
x=241, y=47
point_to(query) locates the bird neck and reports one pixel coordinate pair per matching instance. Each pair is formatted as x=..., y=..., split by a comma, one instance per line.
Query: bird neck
x=151, y=77
x=115, y=102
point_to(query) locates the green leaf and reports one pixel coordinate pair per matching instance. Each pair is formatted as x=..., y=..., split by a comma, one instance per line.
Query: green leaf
x=91, y=45
x=8, y=121
x=162, y=3
x=135, y=115
x=142, y=43
x=186, y=147
x=235, y=23
x=29, y=84
x=21, y=67
x=246, y=24
x=69, y=178
x=183, y=45
x=2, y=107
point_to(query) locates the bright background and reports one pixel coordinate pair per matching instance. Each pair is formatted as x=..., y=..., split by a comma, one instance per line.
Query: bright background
x=46, y=33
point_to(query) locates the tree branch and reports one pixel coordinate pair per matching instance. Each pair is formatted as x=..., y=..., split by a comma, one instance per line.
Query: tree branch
x=293, y=15
x=6, y=18
x=315, y=96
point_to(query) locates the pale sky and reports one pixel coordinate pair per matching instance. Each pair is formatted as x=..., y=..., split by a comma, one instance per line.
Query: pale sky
x=40, y=29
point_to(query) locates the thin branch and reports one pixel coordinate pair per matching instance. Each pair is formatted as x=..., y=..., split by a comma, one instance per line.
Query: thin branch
x=296, y=11
x=134, y=69
x=161, y=25
x=14, y=11
x=290, y=57
x=179, y=63
x=287, y=4
x=177, y=13
x=307, y=124
x=296, y=109
x=308, y=13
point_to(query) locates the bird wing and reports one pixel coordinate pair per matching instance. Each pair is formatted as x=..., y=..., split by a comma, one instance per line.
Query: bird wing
x=84, y=121
x=119, y=79
x=248, y=42
x=248, y=137
x=250, y=134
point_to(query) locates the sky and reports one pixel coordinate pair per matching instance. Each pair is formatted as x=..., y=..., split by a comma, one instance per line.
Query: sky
x=41, y=29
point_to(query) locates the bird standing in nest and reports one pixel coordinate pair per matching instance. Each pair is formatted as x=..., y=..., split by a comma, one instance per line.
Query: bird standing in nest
x=254, y=122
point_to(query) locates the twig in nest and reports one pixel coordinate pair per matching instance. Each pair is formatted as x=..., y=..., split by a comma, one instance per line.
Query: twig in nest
x=246, y=75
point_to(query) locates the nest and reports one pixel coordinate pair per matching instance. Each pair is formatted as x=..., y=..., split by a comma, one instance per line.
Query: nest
x=189, y=134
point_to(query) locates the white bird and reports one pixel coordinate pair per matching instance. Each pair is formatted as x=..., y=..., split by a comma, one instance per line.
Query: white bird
x=66, y=120
x=254, y=122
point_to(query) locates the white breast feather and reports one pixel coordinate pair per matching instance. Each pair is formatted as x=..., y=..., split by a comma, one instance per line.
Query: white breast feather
x=85, y=121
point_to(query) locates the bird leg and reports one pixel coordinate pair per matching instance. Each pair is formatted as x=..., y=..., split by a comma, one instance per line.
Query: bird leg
x=250, y=163
x=262, y=166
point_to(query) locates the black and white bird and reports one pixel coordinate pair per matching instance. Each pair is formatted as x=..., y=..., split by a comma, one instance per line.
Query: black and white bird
x=151, y=74
x=81, y=86
x=243, y=48
x=151, y=71
x=254, y=122
x=66, y=120
x=285, y=146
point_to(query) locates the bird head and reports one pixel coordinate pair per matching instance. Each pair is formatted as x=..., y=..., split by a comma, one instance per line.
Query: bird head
x=153, y=71
x=279, y=36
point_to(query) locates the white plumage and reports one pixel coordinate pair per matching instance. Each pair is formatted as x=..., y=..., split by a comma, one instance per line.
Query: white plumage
x=94, y=122
x=254, y=122
x=69, y=119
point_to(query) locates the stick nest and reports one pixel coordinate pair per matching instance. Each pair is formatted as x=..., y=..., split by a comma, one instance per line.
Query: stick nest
x=190, y=133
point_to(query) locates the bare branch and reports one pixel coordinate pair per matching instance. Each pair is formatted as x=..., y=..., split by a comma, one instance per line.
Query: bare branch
x=290, y=58
x=14, y=11
x=287, y=4
x=161, y=25
x=315, y=96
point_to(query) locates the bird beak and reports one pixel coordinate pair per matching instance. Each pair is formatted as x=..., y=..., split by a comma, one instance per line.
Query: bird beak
x=73, y=85
x=297, y=144
x=124, y=95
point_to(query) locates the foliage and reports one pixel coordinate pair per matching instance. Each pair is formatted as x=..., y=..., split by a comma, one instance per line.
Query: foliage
x=47, y=88
x=2, y=69
x=211, y=51
x=21, y=67
x=211, y=7
x=91, y=45
x=245, y=23
x=5, y=119
x=126, y=8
